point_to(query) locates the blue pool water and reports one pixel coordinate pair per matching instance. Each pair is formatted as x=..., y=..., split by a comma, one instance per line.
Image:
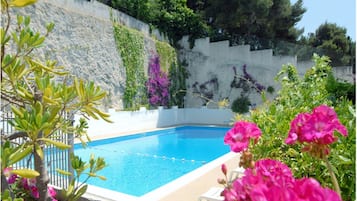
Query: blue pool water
x=143, y=162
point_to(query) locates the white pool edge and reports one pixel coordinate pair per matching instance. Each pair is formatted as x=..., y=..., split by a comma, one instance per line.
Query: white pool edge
x=102, y=194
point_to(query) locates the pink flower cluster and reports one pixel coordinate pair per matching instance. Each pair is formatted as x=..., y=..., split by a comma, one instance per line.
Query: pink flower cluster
x=271, y=180
x=317, y=127
x=239, y=136
x=26, y=184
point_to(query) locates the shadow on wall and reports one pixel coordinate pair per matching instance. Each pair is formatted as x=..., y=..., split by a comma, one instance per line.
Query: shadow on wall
x=134, y=121
x=201, y=116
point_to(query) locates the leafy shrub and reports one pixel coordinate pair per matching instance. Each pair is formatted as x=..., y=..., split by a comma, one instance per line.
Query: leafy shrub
x=241, y=105
x=270, y=89
x=302, y=94
x=338, y=89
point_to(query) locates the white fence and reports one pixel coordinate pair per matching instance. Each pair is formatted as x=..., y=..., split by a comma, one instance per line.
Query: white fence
x=134, y=121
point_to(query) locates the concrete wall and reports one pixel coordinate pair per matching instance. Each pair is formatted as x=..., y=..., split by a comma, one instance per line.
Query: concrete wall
x=217, y=59
x=135, y=121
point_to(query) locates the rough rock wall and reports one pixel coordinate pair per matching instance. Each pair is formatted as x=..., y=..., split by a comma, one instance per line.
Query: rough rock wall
x=84, y=43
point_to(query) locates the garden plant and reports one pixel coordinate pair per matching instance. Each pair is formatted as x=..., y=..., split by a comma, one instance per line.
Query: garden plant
x=158, y=84
x=43, y=98
x=304, y=111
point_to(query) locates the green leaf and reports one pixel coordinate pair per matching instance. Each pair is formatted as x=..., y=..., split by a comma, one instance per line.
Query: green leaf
x=38, y=42
x=20, y=19
x=60, y=145
x=102, y=178
x=39, y=151
x=344, y=160
x=20, y=154
x=3, y=37
x=17, y=111
x=63, y=172
x=15, y=38
x=50, y=27
x=80, y=192
x=70, y=188
x=26, y=173
x=27, y=20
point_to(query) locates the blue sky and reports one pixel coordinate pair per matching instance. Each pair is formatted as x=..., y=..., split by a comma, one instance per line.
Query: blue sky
x=341, y=12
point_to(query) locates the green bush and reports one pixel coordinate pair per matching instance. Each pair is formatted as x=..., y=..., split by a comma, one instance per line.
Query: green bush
x=338, y=89
x=241, y=105
x=302, y=94
x=270, y=89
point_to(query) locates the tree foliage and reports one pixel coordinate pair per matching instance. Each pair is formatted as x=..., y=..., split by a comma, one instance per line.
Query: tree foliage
x=331, y=40
x=256, y=22
x=171, y=17
x=140, y=9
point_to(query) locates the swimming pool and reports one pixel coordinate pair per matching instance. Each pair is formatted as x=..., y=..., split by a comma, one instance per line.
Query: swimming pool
x=143, y=162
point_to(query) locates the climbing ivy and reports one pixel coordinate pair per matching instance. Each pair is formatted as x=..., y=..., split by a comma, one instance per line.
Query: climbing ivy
x=167, y=55
x=177, y=72
x=130, y=43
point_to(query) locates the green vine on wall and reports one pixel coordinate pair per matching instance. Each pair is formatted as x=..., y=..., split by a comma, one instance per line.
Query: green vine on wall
x=130, y=43
x=167, y=55
x=177, y=72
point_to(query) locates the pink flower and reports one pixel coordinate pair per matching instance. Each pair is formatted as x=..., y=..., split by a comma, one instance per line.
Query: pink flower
x=317, y=127
x=230, y=195
x=25, y=184
x=11, y=178
x=34, y=192
x=52, y=192
x=308, y=189
x=238, y=137
x=274, y=173
x=224, y=169
x=295, y=128
x=271, y=180
x=28, y=183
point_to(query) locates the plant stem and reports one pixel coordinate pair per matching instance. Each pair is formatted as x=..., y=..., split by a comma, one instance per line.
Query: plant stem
x=333, y=176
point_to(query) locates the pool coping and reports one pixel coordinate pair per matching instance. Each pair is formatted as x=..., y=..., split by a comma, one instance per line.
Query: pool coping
x=102, y=194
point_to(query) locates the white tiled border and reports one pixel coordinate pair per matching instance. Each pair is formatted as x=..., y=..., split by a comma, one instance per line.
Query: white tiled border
x=101, y=194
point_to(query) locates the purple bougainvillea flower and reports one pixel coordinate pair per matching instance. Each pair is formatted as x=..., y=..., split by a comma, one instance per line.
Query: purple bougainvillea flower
x=239, y=136
x=157, y=84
